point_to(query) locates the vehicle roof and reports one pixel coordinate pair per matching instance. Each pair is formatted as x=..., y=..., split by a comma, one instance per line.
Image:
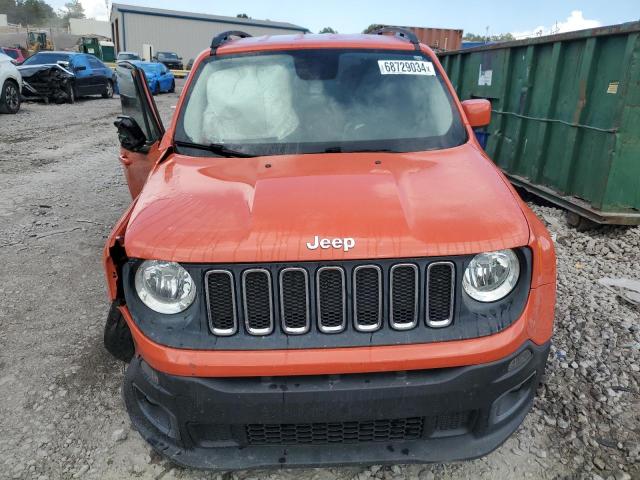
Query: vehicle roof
x=58, y=52
x=301, y=41
x=143, y=63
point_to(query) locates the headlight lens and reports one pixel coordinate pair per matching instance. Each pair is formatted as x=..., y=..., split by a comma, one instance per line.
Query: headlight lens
x=165, y=287
x=491, y=276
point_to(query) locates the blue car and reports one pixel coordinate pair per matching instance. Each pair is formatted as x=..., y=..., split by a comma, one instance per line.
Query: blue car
x=159, y=77
x=65, y=76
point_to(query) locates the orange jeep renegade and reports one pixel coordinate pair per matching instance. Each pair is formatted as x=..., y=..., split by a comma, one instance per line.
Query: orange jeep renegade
x=320, y=265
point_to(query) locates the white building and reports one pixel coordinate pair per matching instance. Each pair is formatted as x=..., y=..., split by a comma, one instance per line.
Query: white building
x=87, y=27
x=185, y=33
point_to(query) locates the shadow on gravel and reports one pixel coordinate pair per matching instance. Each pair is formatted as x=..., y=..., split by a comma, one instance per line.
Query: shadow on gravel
x=97, y=367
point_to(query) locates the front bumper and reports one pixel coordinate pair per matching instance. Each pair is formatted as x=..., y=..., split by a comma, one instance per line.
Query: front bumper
x=372, y=418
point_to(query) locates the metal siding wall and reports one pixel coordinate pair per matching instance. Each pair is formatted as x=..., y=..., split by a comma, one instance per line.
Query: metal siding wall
x=186, y=37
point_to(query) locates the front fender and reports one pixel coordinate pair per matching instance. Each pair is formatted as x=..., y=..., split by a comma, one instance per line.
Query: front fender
x=114, y=255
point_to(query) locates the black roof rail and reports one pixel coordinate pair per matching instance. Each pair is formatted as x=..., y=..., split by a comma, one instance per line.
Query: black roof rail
x=225, y=37
x=401, y=32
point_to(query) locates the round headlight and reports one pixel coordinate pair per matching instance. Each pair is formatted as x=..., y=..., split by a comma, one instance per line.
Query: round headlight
x=165, y=287
x=491, y=276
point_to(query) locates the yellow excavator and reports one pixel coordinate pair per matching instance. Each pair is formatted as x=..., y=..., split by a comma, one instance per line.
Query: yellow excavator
x=38, y=40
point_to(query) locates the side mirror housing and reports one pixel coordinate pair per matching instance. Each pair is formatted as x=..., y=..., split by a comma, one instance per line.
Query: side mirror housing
x=130, y=134
x=478, y=112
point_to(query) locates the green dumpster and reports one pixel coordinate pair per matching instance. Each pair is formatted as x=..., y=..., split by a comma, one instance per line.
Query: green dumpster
x=107, y=51
x=566, y=116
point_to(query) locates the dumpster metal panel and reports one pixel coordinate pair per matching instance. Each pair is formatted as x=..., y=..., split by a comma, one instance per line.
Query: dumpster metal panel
x=439, y=38
x=566, y=115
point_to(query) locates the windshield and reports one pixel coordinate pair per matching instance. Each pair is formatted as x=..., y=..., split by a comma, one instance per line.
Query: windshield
x=128, y=56
x=167, y=55
x=312, y=101
x=46, y=58
x=12, y=53
x=151, y=68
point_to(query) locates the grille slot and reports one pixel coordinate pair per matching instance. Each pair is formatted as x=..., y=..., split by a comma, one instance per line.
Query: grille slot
x=440, y=294
x=257, y=301
x=221, y=302
x=335, y=432
x=367, y=298
x=404, y=296
x=331, y=298
x=294, y=300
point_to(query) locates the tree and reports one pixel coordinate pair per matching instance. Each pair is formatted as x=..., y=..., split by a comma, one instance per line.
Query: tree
x=372, y=28
x=9, y=7
x=503, y=37
x=242, y=15
x=74, y=9
x=34, y=12
x=328, y=30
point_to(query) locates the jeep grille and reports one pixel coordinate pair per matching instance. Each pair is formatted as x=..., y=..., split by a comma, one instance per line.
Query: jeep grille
x=330, y=298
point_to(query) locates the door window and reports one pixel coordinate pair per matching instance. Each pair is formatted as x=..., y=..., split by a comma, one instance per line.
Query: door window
x=135, y=102
x=79, y=61
x=94, y=63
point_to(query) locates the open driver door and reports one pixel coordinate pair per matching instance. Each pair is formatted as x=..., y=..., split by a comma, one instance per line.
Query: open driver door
x=140, y=128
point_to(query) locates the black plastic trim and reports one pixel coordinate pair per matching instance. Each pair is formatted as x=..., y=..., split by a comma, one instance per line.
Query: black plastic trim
x=201, y=422
x=223, y=37
x=401, y=32
x=189, y=329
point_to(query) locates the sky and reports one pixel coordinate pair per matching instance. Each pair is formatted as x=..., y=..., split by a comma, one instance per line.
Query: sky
x=522, y=18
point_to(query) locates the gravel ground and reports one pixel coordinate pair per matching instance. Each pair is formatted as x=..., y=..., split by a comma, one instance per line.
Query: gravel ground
x=61, y=414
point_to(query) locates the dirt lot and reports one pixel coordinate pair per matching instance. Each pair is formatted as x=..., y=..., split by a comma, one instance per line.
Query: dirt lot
x=61, y=414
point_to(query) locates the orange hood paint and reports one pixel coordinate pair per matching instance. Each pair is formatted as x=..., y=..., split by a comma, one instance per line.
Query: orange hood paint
x=265, y=209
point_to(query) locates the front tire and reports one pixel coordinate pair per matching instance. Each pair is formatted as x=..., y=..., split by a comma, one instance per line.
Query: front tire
x=173, y=86
x=156, y=89
x=10, y=97
x=108, y=90
x=117, y=336
x=71, y=94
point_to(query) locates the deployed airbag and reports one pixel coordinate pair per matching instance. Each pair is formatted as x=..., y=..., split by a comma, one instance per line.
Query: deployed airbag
x=251, y=102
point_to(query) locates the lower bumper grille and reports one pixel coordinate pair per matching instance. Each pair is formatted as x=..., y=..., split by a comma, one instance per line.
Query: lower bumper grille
x=335, y=432
x=398, y=429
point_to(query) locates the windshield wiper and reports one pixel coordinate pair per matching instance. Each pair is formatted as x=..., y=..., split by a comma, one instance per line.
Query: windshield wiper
x=217, y=148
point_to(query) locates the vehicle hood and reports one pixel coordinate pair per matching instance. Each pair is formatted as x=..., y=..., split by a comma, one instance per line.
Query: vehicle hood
x=266, y=209
x=48, y=70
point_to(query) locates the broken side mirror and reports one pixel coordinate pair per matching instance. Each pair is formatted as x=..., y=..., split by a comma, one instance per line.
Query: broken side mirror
x=130, y=134
x=478, y=112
